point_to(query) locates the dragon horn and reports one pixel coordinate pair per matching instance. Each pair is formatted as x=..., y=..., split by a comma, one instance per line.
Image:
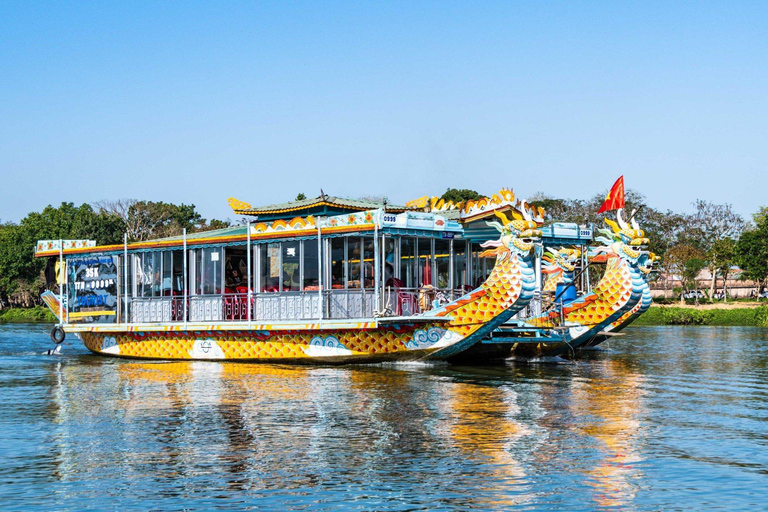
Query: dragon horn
x=633, y=221
x=524, y=210
x=614, y=226
x=620, y=218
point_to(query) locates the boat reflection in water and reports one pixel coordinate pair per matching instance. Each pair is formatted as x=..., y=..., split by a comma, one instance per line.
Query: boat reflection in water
x=483, y=427
x=488, y=438
x=613, y=397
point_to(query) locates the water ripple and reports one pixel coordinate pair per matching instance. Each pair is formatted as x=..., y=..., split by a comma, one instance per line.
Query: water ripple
x=662, y=418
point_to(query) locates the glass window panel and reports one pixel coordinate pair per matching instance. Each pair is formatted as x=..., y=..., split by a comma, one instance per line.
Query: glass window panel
x=147, y=275
x=442, y=263
x=337, y=263
x=235, y=270
x=198, y=287
x=166, y=284
x=389, y=260
x=480, y=266
x=408, y=261
x=425, y=262
x=368, y=263
x=178, y=272
x=291, y=260
x=270, y=267
x=354, y=254
x=210, y=274
x=311, y=275
x=459, y=264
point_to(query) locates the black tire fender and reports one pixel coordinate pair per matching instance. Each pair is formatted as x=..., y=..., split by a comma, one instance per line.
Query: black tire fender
x=58, y=335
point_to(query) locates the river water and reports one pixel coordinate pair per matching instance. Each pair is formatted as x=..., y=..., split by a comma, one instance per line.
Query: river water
x=665, y=417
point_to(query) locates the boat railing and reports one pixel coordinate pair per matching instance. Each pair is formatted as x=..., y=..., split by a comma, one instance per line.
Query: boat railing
x=290, y=305
x=402, y=301
x=265, y=306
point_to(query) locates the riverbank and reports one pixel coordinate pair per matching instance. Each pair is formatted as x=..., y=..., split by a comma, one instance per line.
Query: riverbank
x=736, y=314
x=36, y=315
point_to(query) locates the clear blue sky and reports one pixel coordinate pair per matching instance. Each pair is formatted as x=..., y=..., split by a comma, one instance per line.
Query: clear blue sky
x=194, y=103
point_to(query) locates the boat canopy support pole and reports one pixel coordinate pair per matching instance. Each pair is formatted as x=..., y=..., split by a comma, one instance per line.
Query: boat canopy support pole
x=451, y=270
x=186, y=277
x=250, y=273
x=319, y=271
x=61, y=284
x=376, y=263
x=126, y=295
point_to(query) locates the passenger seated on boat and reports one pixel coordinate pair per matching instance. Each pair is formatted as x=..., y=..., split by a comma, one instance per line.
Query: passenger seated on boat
x=426, y=297
x=233, y=278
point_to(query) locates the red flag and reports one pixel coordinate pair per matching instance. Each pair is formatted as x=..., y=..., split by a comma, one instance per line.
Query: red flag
x=615, y=198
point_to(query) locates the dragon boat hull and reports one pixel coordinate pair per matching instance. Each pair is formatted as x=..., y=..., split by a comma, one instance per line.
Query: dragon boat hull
x=270, y=344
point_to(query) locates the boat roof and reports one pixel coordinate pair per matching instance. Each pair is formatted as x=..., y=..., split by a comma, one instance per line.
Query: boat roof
x=416, y=223
x=320, y=205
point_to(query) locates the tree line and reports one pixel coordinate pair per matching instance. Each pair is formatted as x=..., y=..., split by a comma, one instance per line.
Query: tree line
x=21, y=274
x=713, y=236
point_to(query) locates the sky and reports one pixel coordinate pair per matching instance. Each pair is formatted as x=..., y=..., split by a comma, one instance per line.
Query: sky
x=197, y=102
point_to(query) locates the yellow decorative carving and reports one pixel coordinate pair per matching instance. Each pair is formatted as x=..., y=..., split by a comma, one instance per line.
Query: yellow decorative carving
x=238, y=205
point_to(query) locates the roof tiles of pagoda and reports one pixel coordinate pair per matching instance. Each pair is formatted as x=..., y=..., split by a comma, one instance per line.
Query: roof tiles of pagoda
x=322, y=205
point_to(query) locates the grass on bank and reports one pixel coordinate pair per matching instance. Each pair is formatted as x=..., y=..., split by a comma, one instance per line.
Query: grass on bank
x=746, y=317
x=38, y=314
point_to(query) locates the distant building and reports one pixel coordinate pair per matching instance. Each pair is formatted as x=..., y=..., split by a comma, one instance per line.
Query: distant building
x=665, y=284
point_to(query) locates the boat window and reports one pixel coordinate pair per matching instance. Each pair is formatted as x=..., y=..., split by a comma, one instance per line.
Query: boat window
x=390, y=269
x=270, y=267
x=148, y=274
x=338, y=263
x=459, y=264
x=425, y=261
x=480, y=266
x=291, y=259
x=166, y=284
x=442, y=263
x=208, y=270
x=354, y=252
x=311, y=274
x=236, y=270
x=368, y=262
x=408, y=261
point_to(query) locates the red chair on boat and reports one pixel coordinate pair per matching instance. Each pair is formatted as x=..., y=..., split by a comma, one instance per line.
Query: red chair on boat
x=405, y=304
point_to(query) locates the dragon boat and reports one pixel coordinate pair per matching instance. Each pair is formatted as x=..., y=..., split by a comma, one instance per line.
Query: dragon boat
x=556, y=319
x=348, y=282
x=647, y=263
x=618, y=293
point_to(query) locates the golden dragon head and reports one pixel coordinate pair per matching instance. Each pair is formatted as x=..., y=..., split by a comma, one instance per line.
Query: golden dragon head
x=518, y=234
x=624, y=240
x=564, y=258
x=648, y=262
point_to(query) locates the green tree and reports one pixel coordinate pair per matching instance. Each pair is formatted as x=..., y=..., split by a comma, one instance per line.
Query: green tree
x=458, y=195
x=720, y=258
x=20, y=272
x=215, y=224
x=751, y=254
x=149, y=219
x=300, y=196
x=687, y=261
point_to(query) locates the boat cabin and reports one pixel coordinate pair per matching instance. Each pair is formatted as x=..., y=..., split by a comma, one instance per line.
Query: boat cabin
x=354, y=265
x=312, y=260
